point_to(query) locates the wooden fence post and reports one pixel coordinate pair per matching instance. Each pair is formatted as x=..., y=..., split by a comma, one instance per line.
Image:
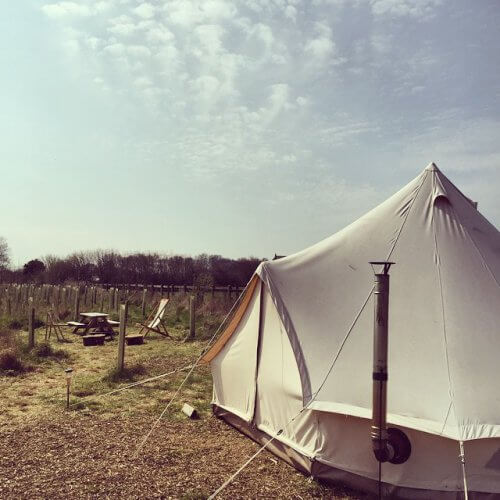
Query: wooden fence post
x=31, y=323
x=116, y=299
x=143, y=307
x=192, y=317
x=111, y=296
x=76, y=305
x=121, y=336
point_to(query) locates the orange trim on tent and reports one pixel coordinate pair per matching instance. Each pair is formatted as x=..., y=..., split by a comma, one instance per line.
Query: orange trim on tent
x=233, y=324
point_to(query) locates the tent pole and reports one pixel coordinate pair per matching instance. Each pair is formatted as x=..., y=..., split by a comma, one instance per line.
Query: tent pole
x=462, y=461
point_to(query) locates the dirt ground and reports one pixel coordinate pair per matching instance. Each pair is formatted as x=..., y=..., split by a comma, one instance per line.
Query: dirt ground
x=87, y=452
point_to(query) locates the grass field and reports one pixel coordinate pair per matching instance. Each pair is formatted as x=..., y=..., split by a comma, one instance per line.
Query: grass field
x=48, y=451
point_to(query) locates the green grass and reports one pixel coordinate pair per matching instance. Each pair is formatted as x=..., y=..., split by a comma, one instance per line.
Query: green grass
x=41, y=370
x=129, y=374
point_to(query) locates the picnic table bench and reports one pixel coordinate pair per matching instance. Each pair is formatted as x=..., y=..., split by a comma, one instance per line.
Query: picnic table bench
x=93, y=323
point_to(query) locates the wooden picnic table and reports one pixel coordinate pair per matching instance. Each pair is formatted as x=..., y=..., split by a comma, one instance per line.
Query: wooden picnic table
x=93, y=323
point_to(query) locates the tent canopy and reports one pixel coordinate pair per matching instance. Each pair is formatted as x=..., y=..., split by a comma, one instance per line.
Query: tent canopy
x=444, y=320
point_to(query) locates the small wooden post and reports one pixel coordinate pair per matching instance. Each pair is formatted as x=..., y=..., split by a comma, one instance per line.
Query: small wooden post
x=76, y=306
x=31, y=323
x=192, y=317
x=144, y=296
x=111, y=296
x=121, y=336
x=116, y=299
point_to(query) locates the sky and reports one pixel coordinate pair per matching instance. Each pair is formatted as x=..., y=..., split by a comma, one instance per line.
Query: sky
x=236, y=127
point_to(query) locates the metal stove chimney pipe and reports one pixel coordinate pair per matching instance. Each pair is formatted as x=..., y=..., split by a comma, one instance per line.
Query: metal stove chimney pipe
x=379, y=434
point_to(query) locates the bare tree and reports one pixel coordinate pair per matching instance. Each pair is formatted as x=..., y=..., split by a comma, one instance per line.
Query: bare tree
x=4, y=253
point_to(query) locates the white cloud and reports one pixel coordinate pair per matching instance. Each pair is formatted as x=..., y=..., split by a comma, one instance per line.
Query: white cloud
x=291, y=13
x=187, y=13
x=245, y=91
x=144, y=10
x=65, y=9
x=115, y=49
x=122, y=25
x=346, y=131
x=143, y=81
x=322, y=46
x=159, y=34
x=303, y=101
x=405, y=8
x=138, y=51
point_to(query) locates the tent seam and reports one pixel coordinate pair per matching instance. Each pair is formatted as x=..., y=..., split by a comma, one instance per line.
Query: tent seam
x=407, y=215
x=446, y=418
x=344, y=341
x=443, y=315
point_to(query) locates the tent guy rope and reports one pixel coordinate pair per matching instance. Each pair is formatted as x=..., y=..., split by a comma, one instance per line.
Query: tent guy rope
x=196, y=363
x=134, y=384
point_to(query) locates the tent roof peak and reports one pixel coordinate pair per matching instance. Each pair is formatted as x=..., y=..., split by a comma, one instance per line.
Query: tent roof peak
x=432, y=167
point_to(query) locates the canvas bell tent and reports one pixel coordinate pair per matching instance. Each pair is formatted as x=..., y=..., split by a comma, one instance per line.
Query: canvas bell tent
x=297, y=353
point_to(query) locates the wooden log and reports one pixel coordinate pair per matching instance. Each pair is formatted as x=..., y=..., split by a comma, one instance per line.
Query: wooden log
x=135, y=339
x=97, y=339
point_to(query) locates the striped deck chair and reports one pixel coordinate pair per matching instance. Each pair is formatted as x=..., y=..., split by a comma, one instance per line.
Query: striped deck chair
x=155, y=322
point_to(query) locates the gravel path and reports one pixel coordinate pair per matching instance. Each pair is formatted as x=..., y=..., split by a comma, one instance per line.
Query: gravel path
x=88, y=456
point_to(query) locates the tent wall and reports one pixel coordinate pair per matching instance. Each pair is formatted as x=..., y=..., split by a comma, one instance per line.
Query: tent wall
x=342, y=442
x=368, y=484
x=234, y=367
x=279, y=392
x=266, y=394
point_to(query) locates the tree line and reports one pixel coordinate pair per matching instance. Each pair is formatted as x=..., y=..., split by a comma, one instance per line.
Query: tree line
x=110, y=266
